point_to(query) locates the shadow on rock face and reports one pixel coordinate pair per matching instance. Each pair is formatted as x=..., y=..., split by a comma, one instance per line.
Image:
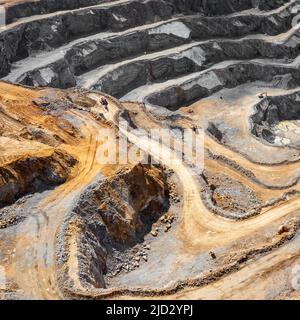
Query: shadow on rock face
x=115, y=215
x=272, y=111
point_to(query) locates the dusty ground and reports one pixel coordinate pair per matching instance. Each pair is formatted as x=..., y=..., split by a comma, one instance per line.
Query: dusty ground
x=73, y=226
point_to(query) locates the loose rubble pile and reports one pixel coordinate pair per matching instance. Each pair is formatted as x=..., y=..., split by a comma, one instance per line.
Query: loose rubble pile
x=75, y=226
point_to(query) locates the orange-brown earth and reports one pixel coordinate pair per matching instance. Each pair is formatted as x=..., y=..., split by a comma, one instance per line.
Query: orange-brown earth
x=73, y=225
x=29, y=245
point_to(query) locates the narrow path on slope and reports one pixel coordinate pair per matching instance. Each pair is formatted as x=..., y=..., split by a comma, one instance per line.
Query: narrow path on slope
x=89, y=79
x=34, y=269
x=117, y=2
x=53, y=14
x=198, y=226
x=43, y=59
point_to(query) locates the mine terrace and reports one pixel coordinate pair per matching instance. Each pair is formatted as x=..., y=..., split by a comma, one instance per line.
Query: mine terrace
x=74, y=227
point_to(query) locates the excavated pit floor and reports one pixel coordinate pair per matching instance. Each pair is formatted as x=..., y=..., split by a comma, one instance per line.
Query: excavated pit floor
x=171, y=65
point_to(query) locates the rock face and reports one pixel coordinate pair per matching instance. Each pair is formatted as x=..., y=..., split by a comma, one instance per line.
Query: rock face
x=204, y=84
x=34, y=129
x=31, y=175
x=142, y=188
x=33, y=35
x=88, y=55
x=138, y=229
x=271, y=111
x=116, y=214
x=21, y=40
x=16, y=10
x=56, y=75
x=269, y=5
x=224, y=7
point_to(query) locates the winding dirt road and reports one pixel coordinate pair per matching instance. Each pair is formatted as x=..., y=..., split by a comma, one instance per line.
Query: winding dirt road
x=34, y=265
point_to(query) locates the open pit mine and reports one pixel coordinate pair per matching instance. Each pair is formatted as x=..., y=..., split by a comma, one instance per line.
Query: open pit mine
x=79, y=79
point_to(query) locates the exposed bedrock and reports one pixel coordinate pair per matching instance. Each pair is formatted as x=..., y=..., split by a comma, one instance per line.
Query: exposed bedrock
x=270, y=4
x=88, y=55
x=115, y=214
x=91, y=54
x=25, y=9
x=220, y=7
x=122, y=79
x=230, y=75
x=128, y=75
x=56, y=75
x=29, y=8
x=273, y=110
x=50, y=32
x=22, y=40
x=33, y=174
x=133, y=75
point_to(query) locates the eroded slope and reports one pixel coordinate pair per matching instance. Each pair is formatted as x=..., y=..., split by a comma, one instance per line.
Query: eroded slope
x=230, y=68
